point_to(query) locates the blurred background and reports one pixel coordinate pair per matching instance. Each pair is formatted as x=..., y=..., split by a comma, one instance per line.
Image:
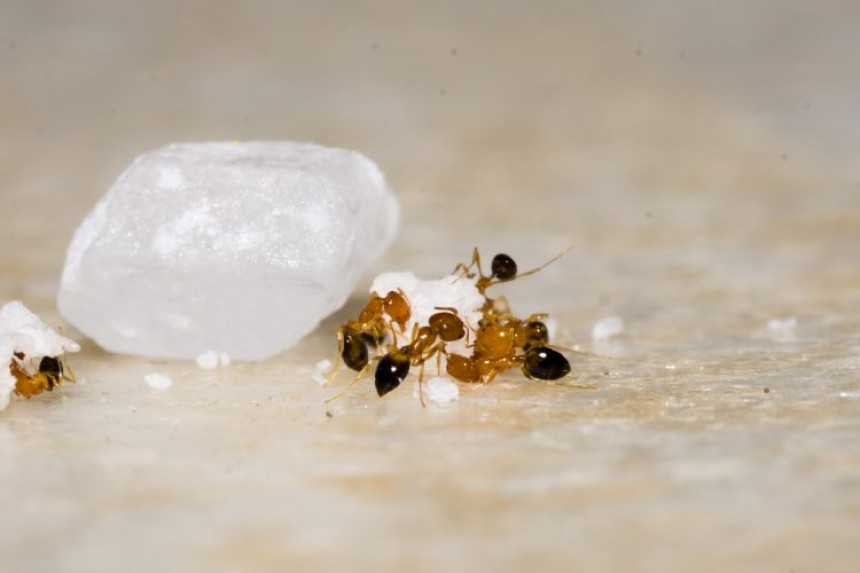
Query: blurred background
x=515, y=114
x=701, y=157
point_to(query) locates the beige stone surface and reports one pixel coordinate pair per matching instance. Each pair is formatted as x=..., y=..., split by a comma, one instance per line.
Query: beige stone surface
x=700, y=156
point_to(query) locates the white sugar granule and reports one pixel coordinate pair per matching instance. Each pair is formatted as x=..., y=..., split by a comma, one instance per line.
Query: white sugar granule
x=158, y=381
x=781, y=325
x=208, y=360
x=606, y=328
x=323, y=367
x=440, y=389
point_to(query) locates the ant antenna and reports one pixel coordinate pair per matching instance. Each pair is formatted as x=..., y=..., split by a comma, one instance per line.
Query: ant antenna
x=350, y=387
x=543, y=266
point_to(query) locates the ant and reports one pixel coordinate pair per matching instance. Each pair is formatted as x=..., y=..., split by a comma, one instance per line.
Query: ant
x=503, y=268
x=371, y=327
x=51, y=373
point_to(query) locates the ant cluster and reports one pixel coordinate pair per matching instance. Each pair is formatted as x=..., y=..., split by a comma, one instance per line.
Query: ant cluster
x=473, y=353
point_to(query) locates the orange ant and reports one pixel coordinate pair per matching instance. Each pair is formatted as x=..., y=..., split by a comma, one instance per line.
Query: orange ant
x=496, y=350
x=51, y=374
x=371, y=327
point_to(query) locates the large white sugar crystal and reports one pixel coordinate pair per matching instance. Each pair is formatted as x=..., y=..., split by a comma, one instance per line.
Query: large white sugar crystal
x=23, y=333
x=239, y=248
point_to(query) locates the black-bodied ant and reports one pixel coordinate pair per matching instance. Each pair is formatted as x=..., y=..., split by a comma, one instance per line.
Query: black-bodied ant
x=370, y=327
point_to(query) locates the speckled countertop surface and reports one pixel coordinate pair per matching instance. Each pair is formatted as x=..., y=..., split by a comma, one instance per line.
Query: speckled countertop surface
x=703, y=162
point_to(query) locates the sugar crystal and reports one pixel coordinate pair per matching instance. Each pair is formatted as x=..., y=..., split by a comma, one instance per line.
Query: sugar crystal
x=241, y=247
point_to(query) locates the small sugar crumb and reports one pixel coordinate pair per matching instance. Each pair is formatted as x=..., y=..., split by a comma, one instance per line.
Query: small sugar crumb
x=441, y=390
x=208, y=360
x=158, y=381
x=224, y=359
x=606, y=328
x=323, y=367
x=781, y=327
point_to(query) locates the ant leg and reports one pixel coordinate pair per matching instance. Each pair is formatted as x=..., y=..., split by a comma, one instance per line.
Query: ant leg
x=450, y=309
x=331, y=375
x=348, y=388
x=572, y=386
x=337, y=359
x=501, y=305
x=489, y=377
x=69, y=378
x=579, y=352
x=468, y=328
x=476, y=260
x=393, y=332
x=421, y=385
x=439, y=362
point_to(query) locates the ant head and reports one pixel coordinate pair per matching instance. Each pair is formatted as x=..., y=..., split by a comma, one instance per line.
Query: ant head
x=503, y=267
x=50, y=365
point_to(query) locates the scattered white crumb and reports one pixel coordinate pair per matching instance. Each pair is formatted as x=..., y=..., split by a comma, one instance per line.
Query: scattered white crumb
x=323, y=367
x=23, y=332
x=606, y=328
x=440, y=389
x=781, y=326
x=208, y=360
x=158, y=381
x=670, y=367
x=224, y=359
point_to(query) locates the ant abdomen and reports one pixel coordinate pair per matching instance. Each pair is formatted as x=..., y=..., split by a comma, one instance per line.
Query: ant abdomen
x=354, y=352
x=544, y=363
x=391, y=370
x=462, y=368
